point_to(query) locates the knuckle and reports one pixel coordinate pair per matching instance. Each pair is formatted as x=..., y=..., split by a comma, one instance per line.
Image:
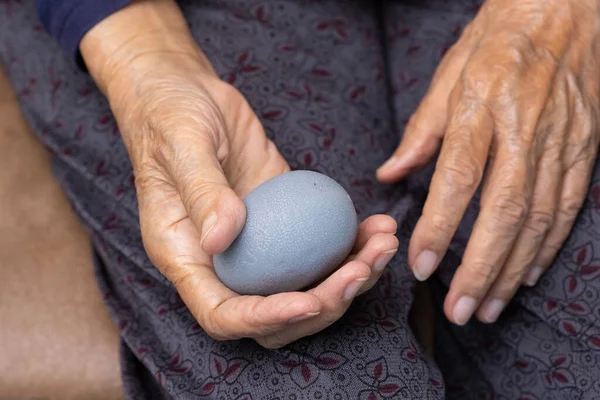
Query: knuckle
x=271, y=342
x=442, y=224
x=571, y=206
x=257, y=316
x=213, y=328
x=462, y=171
x=514, y=53
x=482, y=84
x=195, y=118
x=213, y=334
x=584, y=134
x=474, y=78
x=416, y=122
x=511, y=279
x=385, y=241
x=147, y=176
x=179, y=273
x=482, y=273
x=510, y=209
x=421, y=153
x=198, y=196
x=520, y=49
x=589, y=130
x=550, y=247
x=254, y=316
x=517, y=50
x=539, y=222
x=581, y=152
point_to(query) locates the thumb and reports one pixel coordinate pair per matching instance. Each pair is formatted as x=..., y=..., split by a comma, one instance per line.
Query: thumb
x=214, y=208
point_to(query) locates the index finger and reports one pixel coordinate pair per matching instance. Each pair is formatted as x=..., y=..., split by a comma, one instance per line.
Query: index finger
x=457, y=175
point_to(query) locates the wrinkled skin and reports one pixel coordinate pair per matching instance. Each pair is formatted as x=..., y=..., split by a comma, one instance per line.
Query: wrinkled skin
x=197, y=149
x=514, y=106
x=518, y=93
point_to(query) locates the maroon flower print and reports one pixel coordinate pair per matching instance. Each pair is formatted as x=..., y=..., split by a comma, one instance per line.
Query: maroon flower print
x=221, y=371
x=304, y=369
x=381, y=384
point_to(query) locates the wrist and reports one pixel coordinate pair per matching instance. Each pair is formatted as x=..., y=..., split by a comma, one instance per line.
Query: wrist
x=144, y=33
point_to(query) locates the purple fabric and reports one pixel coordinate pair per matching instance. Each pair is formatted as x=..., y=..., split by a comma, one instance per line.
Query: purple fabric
x=334, y=83
x=69, y=20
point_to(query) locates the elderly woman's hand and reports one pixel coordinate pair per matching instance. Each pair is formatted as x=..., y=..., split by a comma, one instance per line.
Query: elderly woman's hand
x=520, y=93
x=197, y=148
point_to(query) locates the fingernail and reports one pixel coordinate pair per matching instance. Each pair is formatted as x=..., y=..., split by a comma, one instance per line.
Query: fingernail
x=353, y=288
x=425, y=265
x=207, y=226
x=492, y=309
x=303, y=317
x=389, y=163
x=384, y=259
x=464, y=309
x=533, y=276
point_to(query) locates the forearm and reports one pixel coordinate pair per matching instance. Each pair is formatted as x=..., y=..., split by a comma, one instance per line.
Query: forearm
x=144, y=28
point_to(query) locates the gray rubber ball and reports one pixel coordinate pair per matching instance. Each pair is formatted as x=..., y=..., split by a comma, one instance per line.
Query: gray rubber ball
x=299, y=228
